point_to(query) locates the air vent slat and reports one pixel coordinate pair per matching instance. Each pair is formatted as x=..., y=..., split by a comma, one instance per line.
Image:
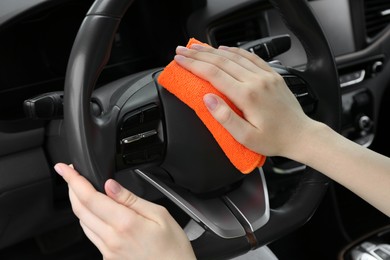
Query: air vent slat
x=378, y=22
x=377, y=16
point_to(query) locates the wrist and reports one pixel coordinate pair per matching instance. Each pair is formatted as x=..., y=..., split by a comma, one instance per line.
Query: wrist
x=312, y=136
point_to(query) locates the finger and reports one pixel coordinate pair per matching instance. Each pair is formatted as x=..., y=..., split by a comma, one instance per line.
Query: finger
x=244, y=61
x=81, y=188
x=95, y=239
x=86, y=216
x=240, y=129
x=250, y=56
x=222, y=81
x=212, y=56
x=124, y=197
x=96, y=202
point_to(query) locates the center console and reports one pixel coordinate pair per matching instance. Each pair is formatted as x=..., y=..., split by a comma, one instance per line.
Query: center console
x=358, y=104
x=357, y=123
x=373, y=246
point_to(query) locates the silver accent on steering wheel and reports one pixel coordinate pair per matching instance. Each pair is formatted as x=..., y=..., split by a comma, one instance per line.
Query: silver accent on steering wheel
x=232, y=215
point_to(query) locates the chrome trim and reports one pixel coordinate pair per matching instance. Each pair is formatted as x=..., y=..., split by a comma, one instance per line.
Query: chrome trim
x=137, y=137
x=289, y=171
x=385, y=12
x=365, y=141
x=248, y=204
x=355, y=81
x=266, y=48
x=220, y=220
x=301, y=95
x=193, y=230
x=255, y=209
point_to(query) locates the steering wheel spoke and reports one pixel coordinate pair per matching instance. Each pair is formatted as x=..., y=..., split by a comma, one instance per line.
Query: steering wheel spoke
x=238, y=213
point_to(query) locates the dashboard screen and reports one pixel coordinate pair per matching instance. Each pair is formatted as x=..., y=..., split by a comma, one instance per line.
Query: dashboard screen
x=331, y=14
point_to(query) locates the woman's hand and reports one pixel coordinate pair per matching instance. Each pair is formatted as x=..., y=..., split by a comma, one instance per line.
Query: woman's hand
x=122, y=225
x=273, y=118
x=274, y=123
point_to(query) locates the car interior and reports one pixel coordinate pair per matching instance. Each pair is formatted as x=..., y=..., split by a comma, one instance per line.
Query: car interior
x=78, y=84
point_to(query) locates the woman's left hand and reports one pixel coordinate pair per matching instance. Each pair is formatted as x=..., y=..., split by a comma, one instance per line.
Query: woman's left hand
x=122, y=225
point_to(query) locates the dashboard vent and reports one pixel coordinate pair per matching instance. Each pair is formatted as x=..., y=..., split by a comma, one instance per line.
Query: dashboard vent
x=377, y=13
x=239, y=32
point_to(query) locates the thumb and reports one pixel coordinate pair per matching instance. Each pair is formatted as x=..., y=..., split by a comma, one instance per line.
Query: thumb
x=238, y=127
x=128, y=199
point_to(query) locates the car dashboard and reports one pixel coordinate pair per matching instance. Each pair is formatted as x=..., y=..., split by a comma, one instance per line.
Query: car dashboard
x=36, y=38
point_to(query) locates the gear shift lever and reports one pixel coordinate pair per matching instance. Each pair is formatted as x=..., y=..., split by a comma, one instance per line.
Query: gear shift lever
x=371, y=251
x=373, y=246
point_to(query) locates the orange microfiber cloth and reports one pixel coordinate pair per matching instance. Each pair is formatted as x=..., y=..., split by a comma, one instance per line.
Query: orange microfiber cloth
x=190, y=89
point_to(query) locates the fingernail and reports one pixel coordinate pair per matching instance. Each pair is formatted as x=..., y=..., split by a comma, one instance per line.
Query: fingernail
x=222, y=47
x=179, y=58
x=181, y=48
x=58, y=169
x=210, y=101
x=114, y=187
x=196, y=46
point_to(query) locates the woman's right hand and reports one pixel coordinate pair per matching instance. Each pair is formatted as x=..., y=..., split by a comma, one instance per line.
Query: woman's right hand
x=273, y=118
x=274, y=124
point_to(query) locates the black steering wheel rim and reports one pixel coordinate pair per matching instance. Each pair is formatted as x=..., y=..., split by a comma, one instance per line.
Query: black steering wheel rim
x=86, y=134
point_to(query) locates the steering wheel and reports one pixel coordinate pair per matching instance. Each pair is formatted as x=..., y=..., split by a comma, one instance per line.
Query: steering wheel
x=133, y=125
